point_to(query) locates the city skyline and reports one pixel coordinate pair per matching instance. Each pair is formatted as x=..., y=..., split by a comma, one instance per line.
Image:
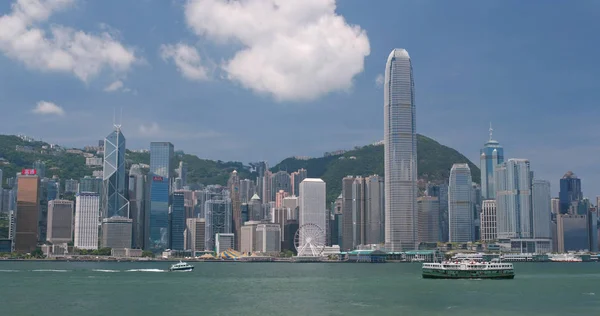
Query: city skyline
x=465, y=73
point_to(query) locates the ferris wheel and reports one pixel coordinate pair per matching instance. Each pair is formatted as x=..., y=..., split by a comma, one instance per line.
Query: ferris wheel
x=309, y=240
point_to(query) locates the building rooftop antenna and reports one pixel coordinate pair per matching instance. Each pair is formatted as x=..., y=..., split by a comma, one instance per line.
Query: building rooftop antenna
x=491, y=131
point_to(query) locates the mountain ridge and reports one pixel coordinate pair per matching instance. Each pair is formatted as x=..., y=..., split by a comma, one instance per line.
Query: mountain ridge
x=434, y=163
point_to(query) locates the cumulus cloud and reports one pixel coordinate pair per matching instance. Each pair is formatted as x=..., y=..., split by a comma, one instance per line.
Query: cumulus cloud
x=48, y=108
x=63, y=49
x=117, y=86
x=186, y=59
x=291, y=49
x=154, y=131
x=379, y=80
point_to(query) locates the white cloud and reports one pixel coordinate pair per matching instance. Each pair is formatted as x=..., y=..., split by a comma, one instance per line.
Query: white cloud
x=154, y=131
x=116, y=86
x=292, y=49
x=187, y=60
x=64, y=49
x=379, y=80
x=48, y=108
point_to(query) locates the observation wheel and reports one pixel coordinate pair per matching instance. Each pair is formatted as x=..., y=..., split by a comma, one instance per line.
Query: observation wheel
x=309, y=240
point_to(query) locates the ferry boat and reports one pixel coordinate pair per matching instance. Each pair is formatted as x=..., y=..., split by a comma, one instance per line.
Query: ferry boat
x=181, y=266
x=466, y=269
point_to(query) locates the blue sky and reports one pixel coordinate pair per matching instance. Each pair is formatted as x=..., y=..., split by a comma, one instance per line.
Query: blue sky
x=249, y=82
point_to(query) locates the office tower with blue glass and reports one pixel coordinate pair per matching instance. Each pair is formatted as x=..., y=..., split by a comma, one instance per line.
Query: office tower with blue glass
x=513, y=199
x=400, y=154
x=161, y=157
x=491, y=155
x=570, y=192
x=460, y=204
x=114, y=201
x=178, y=221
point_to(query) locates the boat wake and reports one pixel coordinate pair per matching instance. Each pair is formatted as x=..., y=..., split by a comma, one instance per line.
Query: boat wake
x=49, y=270
x=145, y=270
x=590, y=293
x=103, y=270
x=9, y=270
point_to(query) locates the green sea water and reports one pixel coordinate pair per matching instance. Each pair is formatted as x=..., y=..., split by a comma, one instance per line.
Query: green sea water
x=103, y=288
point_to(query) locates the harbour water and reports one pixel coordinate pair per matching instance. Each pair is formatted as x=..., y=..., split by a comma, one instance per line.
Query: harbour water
x=113, y=288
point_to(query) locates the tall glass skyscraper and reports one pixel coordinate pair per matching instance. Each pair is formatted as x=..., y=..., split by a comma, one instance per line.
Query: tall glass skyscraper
x=513, y=199
x=178, y=221
x=460, y=204
x=570, y=191
x=400, y=140
x=114, y=191
x=542, y=209
x=492, y=154
x=161, y=156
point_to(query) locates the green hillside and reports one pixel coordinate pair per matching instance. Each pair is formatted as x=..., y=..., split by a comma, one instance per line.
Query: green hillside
x=434, y=163
x=72, y=166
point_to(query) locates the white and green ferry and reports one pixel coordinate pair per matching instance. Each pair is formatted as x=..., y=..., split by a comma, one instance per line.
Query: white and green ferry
x=466, y=269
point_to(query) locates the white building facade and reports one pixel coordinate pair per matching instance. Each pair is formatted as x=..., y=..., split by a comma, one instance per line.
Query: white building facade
x=87, y=212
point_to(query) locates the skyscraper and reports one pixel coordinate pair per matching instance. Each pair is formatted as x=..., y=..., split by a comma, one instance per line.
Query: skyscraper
x=177, y=222
x=247, y=190
x=312, y=203
x=218, y=221
x=298, y=177
x=375, y=210
x=400, y=158
x=28, y=205
x=89, y=184
x=488, y=221
x=87, y=211
x=233, y=185
x=541, y=209
x=60, y=221
x=137, y=185
x=441, y=192
x=460, y=204
x=280, y=180
x=570, y=191
x=114, y=201
x=429, y=226
x=353, y=209
x=492, y=154
x=513, y=199
x=161, y=157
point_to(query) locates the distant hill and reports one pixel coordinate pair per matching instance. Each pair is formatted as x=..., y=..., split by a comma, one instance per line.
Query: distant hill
x=434, y=163
x=72, y=166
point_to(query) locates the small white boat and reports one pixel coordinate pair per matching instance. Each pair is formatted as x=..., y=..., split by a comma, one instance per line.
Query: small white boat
x=181, y=266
